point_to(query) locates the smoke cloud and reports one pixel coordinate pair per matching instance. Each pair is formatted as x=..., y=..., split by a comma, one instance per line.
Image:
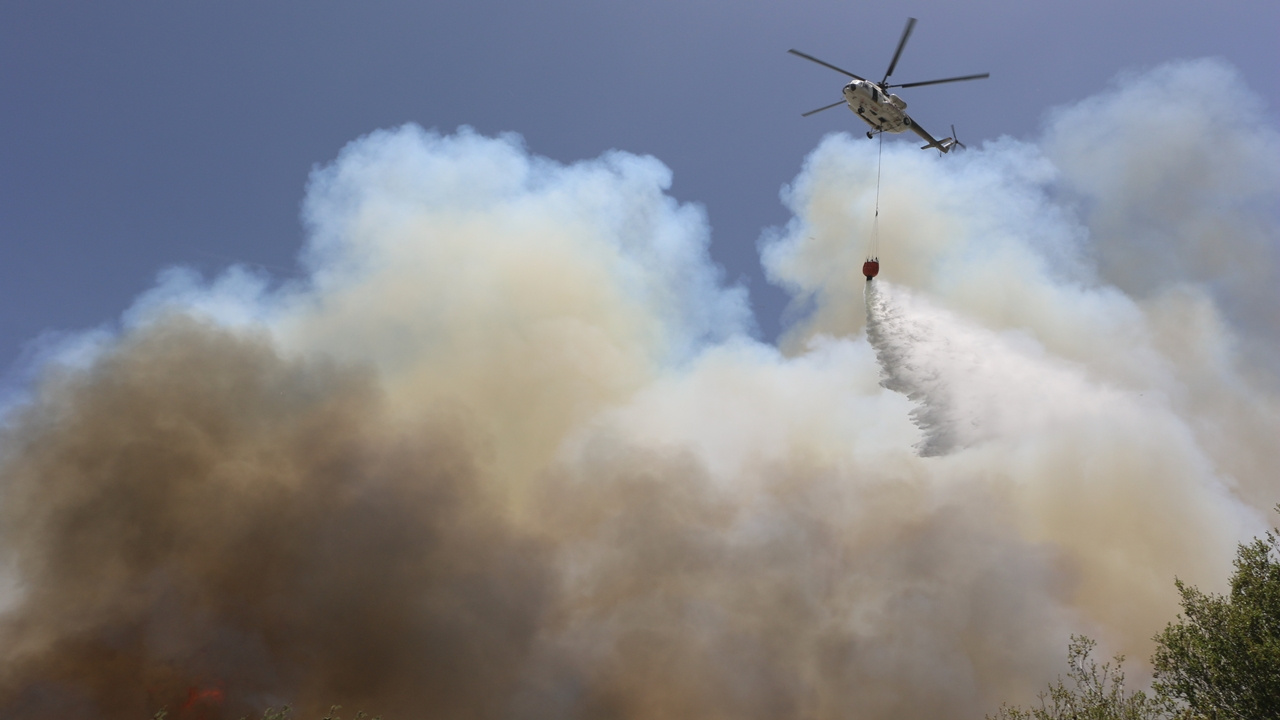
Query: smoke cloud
x=509, y=449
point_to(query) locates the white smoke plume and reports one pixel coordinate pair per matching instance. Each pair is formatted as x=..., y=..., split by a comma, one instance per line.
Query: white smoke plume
x=510, y=451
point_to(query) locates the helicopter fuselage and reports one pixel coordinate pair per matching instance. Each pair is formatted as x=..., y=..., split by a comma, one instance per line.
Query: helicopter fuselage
x=883, y=111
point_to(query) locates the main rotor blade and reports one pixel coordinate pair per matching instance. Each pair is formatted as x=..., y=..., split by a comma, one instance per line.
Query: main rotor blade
x=811, y=112
x=827, y=64
x=944, y=80
x=906, y=33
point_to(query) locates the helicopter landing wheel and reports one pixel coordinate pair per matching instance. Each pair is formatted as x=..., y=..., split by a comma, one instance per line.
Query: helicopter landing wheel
x=869, y=135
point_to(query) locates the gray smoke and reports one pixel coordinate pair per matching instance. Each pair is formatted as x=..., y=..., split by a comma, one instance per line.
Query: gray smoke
x=509, y=451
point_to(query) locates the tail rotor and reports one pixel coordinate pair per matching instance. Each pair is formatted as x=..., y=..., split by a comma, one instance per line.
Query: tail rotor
x=951, y=143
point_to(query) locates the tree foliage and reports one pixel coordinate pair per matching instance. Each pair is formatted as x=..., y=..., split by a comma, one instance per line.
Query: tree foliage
x=1094, y=693
x=1222, y=657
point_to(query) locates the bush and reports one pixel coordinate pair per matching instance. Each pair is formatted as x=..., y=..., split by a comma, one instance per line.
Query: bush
x=1221, y=659
x=1095, y=693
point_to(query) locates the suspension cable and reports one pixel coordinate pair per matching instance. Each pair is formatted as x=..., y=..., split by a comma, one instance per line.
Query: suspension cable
x=875, y=223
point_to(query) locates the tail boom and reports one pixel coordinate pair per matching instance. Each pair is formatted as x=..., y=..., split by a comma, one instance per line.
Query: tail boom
x=943, y=146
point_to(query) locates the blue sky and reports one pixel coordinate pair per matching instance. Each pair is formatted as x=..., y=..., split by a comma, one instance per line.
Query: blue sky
x=140, y=135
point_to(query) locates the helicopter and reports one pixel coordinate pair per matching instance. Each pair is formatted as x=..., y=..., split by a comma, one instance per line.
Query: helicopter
x=882, y=110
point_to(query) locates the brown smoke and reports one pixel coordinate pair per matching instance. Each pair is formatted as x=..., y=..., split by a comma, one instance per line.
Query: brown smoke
x=196, y=511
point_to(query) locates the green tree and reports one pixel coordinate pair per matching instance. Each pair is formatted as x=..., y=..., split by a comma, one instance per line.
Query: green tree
x=1222, y=656
x=1095, y=693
